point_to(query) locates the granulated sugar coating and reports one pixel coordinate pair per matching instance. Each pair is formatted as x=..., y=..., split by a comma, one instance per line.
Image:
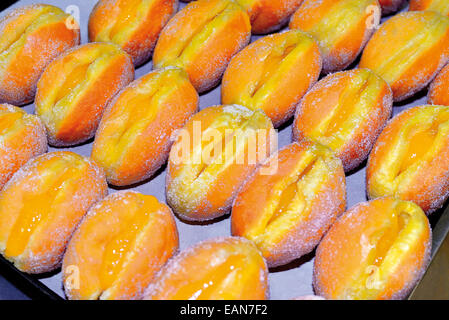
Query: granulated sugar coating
x=134, y=26
x=438, y=93
x=408, y=60
x=134, y=136
x=350, y=263
x=216, y=160
x=221, y=268
x=272, y=74
x=345, y=111
x=410, y=160
x=121, y=243
x=76, y=87
x=341, y=27
x=202, y=38
x=288, y=212
x=23, y=137
x=42, y=204
x=292, y=280
x=30, y=38
x=269, y=16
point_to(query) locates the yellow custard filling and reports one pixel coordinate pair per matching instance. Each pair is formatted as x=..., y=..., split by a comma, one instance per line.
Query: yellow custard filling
x=384, y=247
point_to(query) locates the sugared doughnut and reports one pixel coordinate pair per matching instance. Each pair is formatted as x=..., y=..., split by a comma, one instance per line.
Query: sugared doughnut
x=441, y=6
x=202, y=38
x=41, y=205
x=272, y=74
x=438, y=91
x=345, y=111
x=219, y=269
x=30, y=37
x=134, y=136
x=23, y=137
x=408, y=60
x=390, y=6
x=211, y=158
x=287, y=213
x=133, y=25
x=118, y=247
x=410, y=159
x=378, y=250
x=269, y=15
x=75, y=88
x=342, y=28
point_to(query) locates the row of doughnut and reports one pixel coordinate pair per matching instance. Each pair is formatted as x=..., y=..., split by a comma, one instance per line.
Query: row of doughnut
x=54, y=207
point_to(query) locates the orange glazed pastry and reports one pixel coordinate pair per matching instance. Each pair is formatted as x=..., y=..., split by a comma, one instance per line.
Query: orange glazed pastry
x=41, y=206
x=342, y=28
x=345, y=111
x=410, y=159
x=211, y=158
x=408, y=60
x=118, y=248
x=202, y=38
x=378, y=250
x=30, y=37
x=390, y=6
x=22, y=136
x=287, y=213
x=75, y=88
x=273, y=73
x=132, y=24
x=220, y=269
x=441, y=6
x=134, y=136
x=269, y=15
x=438, y=93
